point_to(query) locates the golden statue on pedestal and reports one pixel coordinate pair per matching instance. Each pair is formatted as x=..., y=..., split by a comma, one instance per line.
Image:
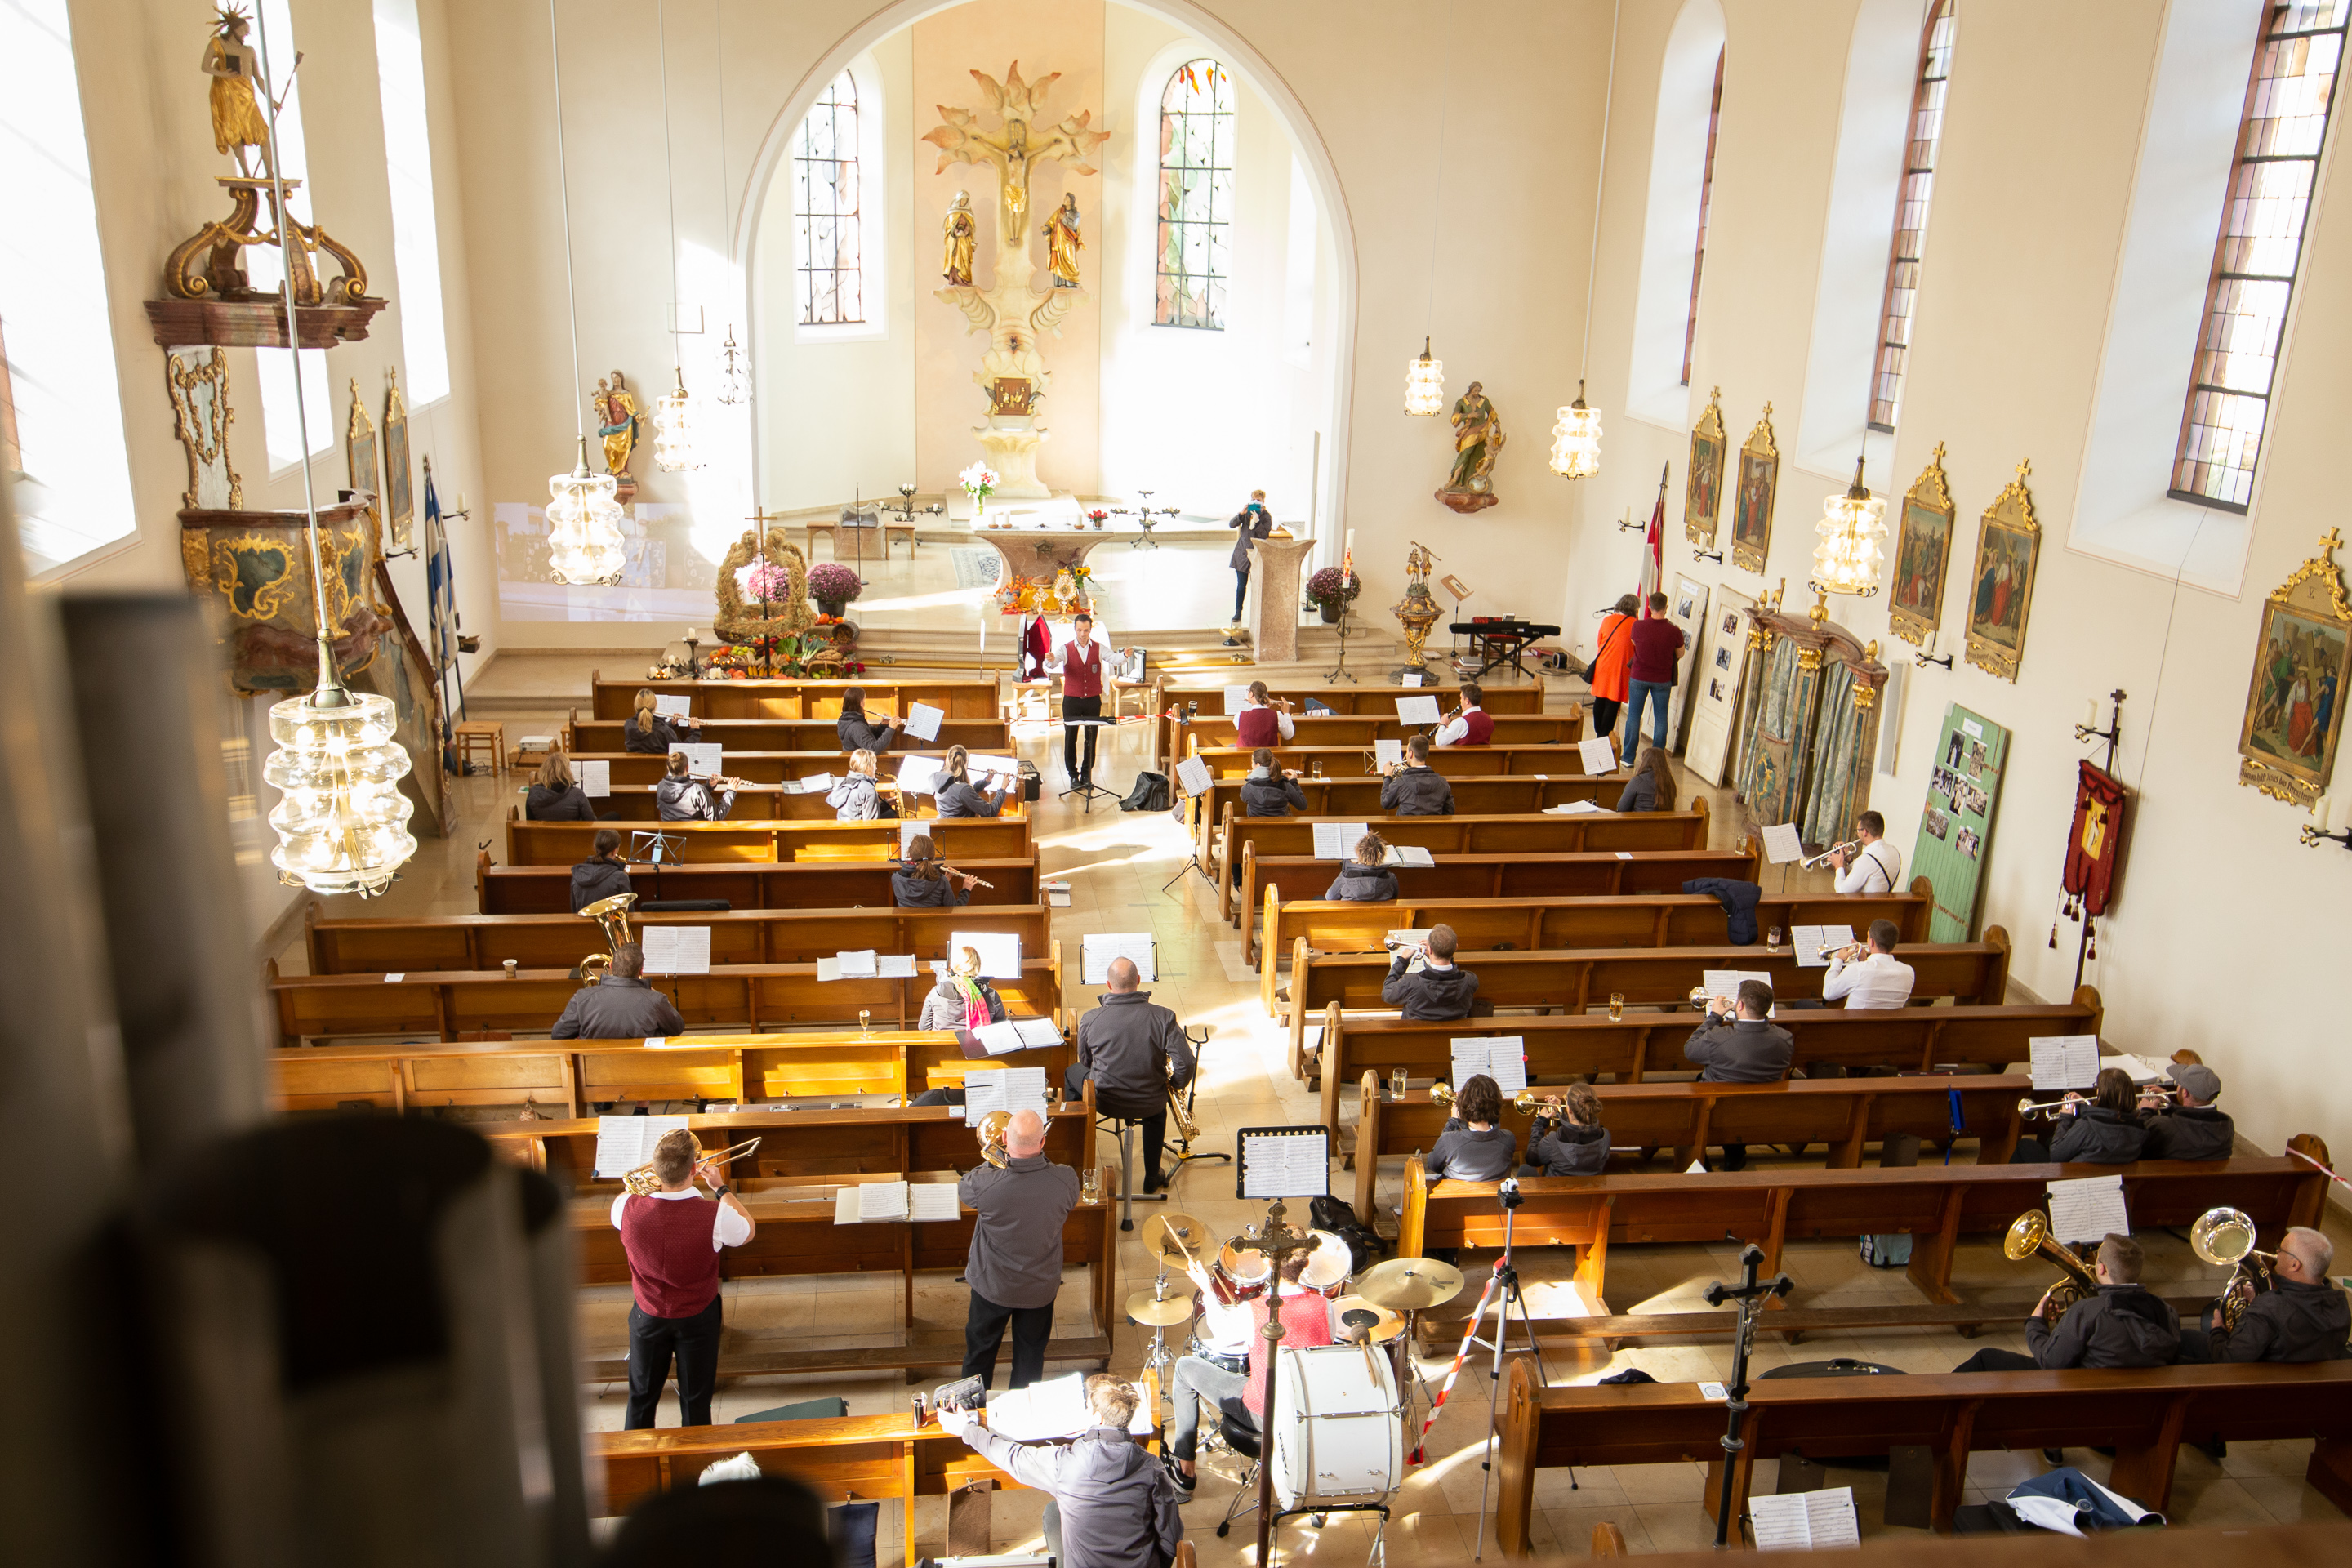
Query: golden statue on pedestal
x=1062, y=242
x=962, y=235
x=235, y=69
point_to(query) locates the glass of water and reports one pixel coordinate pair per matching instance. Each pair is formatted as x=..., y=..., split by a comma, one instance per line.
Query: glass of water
x=1616, y=1006
x=1772, y=937
x=1398, y=1083
x=1090, y=1185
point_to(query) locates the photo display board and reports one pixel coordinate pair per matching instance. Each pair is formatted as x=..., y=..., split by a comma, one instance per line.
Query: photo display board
x=1956, y=824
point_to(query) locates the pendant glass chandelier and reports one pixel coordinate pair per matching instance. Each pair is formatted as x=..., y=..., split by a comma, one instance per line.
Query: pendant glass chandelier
x=674, y=410
x=1424, y=378
x=734, y=374
x=1576, y=440
x=674, y=430
x=1852, y=527
x=583, y=520
x=1424, y=383
x=340, y=819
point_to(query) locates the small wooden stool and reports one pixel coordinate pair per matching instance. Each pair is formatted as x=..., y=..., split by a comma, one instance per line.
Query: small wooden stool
x=473, y=732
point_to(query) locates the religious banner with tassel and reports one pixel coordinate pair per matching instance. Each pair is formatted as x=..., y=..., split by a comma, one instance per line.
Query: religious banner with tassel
x=2094, y=851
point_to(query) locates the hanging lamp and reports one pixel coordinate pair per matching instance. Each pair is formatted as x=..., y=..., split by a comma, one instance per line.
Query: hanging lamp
x=673, y=410
x=734, y=387
x=1852, y=527
x=583, y=520
x=1576, y=438
x=1424, y=378
x=340, y=819
x=1424, y=383
x=734, y=373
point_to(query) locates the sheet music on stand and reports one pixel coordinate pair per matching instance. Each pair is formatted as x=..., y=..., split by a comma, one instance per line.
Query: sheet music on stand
x=703, y=759
x=1598, y=755
x=1804, y=1521
x=2064, y=1061
x=626, y=1142
x=676, y=949
x=1097, y=949
x=1810, y=940
x=595, y=777
x=1781, y=844
x=1388, y=754
x=1281, y=1163
x=923, y=720
x=1000, y=952
x=1503, y=1057
x=918, y=775
x=673, y=706
x=2087, y=1208
x=1236, y=698
x=1193, y=775
x=1418, y=710
x=1338, y=840
x=1005, y=1089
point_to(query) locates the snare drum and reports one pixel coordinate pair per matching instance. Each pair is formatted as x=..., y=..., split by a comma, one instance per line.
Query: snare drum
x=1328, y=1266
x=1243, y=1272
x=1338, y=1428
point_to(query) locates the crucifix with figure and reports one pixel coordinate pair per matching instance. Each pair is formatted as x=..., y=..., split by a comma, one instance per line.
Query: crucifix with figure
x=1010, y=311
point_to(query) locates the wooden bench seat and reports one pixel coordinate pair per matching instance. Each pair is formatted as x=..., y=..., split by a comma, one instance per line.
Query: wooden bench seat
x=570, y=1076
x=1358, y=799
x=746, y=885
x=741, y=936
x=753, y=997
x=1684, y=1119
x=1216, y=730
x=796, y=698
x=774, y=842
x=591, y=737
x=767, y=767
x=1449, y=761
x=1175, y=694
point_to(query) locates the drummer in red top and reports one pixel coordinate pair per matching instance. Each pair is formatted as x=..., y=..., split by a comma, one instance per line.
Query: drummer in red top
x=1470, y=724
x=672, y=1239
x=1080, y=663
x=1261, y=723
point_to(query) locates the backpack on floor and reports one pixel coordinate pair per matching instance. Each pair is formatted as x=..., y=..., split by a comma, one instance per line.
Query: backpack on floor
x=1334, y=1215
x=1150, y=794
x=1887, y=1251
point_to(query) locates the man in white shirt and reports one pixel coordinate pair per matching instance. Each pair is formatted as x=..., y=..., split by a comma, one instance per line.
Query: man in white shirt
x=672, y=1238
x=1877, y=980
x=1470, y=724
x=1876, y=866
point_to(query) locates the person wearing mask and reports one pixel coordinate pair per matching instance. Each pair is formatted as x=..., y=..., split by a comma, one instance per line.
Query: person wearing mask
x=860, y=733
x=924, y=881
x=2102, y=1130
x=1308, y=1322
x=1414, y=787
x=1652, y=787
x=1873, y=977
x=1613, y=647
x=1254, y=522
x=1014, y=1267
x=1470, y=724
x=962, y=1000
x=603, y=875
x=1365, y=879
x=1137, y=1055
x=1109, y=1502
x=1576, y=1144
x=1650, y=674
x=1270, y=790
x=2194, y=1129
x=1737, y=1044
x=682, y=797
x=1080, y=663
x=648, y=731
x=955, y=794
x=2302, y=1317
x=555, y=796
x=856, y=796
x=2123, y=1325
x=1262, y=720
x=1438, y=990
x=620, y=1005
x=1875, y=865
x=672, y=1239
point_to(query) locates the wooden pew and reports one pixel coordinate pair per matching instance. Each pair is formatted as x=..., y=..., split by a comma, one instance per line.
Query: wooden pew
x=2143, y=1414
x=1686, y=1119
x=743, y=936
x=574, y=1075
x=1655, y=920
x=591, y=735
x=569, y=843
x=1174, y=695
x=1934, y=1205
x=1361, y=730
x=749, y=885
x=1358, y=799
x=1449, y=761
x=796, y=699
x=748, y=996
x=767, y=767
x=1912, y=1039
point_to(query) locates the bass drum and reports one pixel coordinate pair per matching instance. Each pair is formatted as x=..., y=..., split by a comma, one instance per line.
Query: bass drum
x=1338, y=1427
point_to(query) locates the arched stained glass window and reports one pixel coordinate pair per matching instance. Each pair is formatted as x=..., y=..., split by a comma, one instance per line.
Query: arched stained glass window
x=1196, y=195
x=825, y=202
x=1911, y=218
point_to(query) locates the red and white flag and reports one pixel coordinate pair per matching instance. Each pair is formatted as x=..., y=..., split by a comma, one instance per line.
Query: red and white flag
x=1654, y=553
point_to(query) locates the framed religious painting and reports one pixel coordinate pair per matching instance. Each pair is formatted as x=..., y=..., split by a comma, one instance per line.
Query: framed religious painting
x=359, y=448
x=1703, y=486
x=2294, y=709
x=399, y=501
x=1923, y=555
x=1752, y=507
x=2001, y=584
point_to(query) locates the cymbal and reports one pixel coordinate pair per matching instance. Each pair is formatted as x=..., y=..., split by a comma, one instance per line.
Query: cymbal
x=1385, y=1325
x=1157, y=1238
x=1409, y=1284
x=1152, y=1313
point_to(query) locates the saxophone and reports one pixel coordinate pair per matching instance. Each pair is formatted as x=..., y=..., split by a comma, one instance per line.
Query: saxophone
x=1187, y=1129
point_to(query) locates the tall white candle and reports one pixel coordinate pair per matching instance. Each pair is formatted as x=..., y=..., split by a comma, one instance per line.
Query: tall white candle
x=2090, y=712
x=2321, y=810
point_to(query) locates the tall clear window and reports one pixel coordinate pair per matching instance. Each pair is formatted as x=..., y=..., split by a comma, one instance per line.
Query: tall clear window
x=1196, y=197
x=826, y=197
x=1911, y=218
x=415, y=229
x=2261, y=246
x=274, y=368
x=1705, y=198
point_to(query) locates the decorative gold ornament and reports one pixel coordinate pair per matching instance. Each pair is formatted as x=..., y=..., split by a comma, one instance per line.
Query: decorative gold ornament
x=2000, y=584
x=2303, y=662
x=1752, y=507
x=1923, y=555
x=1703, y=484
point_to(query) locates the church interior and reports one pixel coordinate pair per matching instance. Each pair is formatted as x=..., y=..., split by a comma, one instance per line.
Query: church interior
x=993, y=506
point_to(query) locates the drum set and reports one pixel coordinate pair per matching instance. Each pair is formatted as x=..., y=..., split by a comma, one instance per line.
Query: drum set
x=1337, y=1428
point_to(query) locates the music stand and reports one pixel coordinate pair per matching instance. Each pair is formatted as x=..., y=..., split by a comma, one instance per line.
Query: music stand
x=1088, y=791
x=655, y=846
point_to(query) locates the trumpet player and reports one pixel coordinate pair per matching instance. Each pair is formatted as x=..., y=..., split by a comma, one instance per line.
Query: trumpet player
x=1014, y=1265
x=1440, y=989
x=1873, y=866
x=672, y=1239
x=1470, y=724
x=1137, y=1055
x=1573, y=1144
x=1868, y=974
x=682, y=797
x=2124, y=1325
x=1739, y=1044
x=2302, y=1317
x=2194, y=1129
x=1414, y=787
x=2104, y=1130
x=620, y=1005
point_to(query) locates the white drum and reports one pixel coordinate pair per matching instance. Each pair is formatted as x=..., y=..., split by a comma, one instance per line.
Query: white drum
x=1338, y=1427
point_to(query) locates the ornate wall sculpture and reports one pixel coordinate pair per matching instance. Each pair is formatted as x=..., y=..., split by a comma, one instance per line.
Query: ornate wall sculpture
x=1703, y=487
x=1809, y=721
x=197, y=379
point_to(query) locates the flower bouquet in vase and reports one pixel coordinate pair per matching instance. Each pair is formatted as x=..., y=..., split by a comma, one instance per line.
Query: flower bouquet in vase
x=979, y=482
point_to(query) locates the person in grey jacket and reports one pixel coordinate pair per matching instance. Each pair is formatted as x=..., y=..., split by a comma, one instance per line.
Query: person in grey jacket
x=1364, y=881
x=620, y=1005
x=1128, y=1046
x=924, y=881
x=855, y=796
x=1474, y=1146
x=2123, y=1325
x=1269, y=791
x=1652, y=787
x=956, y=796
x=1577, y=1145
x=2102, y=1130
x=1414, y=787
x=555, y=796
x=2192, y=1129
x=1111, y=1503
x=2302, y=1317
x=1014, y=1267
x=1741, y=1048
x=859, y=733
x=602, y=875
x=952, y=1002
x=1439, y=989
x=682, y=799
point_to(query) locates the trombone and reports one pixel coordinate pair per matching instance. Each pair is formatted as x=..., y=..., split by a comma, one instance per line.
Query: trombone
x=642, y=1182
x=1849, y=846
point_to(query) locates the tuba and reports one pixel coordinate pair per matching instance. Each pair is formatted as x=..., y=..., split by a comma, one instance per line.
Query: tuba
x=2029, y=1235
x=612, y=915
x=2226, y=1236
x=642, y=1182
x=991, y=1129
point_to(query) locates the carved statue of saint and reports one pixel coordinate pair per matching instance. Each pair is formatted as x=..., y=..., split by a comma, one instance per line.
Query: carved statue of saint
x=1477, y=441
x=961, y=232
x=235, y=70
x=1062, y=242
x=616, y=407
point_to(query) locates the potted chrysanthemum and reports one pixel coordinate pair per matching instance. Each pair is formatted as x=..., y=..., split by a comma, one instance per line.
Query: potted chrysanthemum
x=833, y=587
x=1329, y=591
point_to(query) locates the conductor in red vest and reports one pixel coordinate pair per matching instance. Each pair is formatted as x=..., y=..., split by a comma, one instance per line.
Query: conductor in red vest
x=1470, y=724
x=1080, y=666
x=1263, y=721
x=672, y=1238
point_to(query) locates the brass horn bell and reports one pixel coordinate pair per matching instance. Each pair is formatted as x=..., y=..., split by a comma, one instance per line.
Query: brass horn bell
x=2029, y=1236
x=2225, y=1236
x=612, y=915
x=992, y=1130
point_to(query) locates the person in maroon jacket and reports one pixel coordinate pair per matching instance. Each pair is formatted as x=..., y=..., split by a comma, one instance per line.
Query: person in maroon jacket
x=672, y=1239
x=1080, y=666
x=1658, y=644
x=1263, y=721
